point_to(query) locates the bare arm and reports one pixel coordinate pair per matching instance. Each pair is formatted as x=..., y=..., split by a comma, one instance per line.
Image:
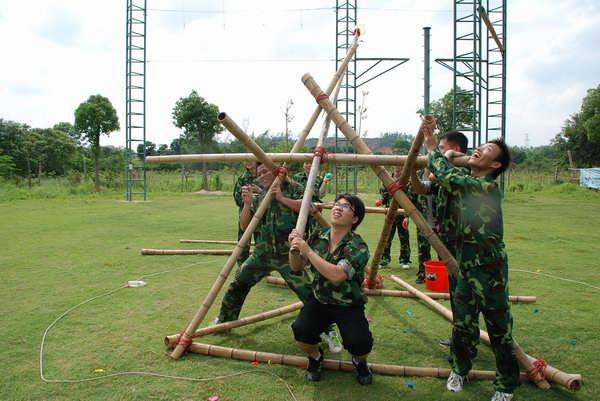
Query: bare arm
x=417, y=186
x=246, y=215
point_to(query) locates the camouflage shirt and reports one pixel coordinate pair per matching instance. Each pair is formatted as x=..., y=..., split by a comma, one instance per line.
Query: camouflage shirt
x=272, y=233
x=301, y=178
x=244, y=179
x=351, y=250
x=422, y=202
x=480, y=226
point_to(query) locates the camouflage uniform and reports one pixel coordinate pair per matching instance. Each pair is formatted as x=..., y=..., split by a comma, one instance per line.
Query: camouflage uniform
x=402, y=234
x=341, y=303
x=270, y=253
x=423, y=203
x=483, y=275
x=245, y=179
x=301, y=178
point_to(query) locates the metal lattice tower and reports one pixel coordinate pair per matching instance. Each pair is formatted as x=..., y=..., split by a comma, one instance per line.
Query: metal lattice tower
x=496, y=72
x=467, y=66
x=135, y=100
x=345, y=22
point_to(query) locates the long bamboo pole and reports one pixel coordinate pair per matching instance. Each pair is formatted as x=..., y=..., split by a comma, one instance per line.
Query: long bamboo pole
x=149, y=251
x=381, y=172
x=524, y=299
x=208, y=241
x=186, y=337
x=331, y=158
x=368, y=209
x=491, y=29
x=331, y=364
x=570, y=381
x=171, y=341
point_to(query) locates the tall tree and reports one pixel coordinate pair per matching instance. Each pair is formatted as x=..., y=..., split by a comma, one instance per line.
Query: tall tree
x=200, y=123
x=95, y=117
x=441, y=109
x=581, y=133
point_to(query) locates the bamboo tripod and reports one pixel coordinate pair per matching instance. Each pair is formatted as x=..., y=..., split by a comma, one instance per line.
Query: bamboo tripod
x=184, y=341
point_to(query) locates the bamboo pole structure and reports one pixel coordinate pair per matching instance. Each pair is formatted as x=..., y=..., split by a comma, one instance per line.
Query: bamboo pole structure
x=331, y=158
x=149, y=251
x=368, y=209
x=331, y=364
x=570, y=381
x=208, y=241
x=171, y=341
x=186, y=336
x=524, y=299
x=381, y=172
x=306, y=204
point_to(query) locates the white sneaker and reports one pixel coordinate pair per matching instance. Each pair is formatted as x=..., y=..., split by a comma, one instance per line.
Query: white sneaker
x=405, y=266
x=455, y=382
x=500, y=396
x=333, y=342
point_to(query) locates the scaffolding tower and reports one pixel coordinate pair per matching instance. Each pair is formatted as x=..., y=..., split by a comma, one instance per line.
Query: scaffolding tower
x=135, y=101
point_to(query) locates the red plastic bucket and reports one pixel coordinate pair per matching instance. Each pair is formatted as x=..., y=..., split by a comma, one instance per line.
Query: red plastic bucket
x=436, y=278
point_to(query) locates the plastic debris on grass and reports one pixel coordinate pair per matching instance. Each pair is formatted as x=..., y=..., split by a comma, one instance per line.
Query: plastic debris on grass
x=213, y=398
x=572, y=342
x=410, y=313
x=536, y=310
x=98, y=370
x=411, y=385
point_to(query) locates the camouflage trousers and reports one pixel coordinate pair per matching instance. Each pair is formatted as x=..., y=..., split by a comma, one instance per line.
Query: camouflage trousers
x=424, y=253
x=246, y=251
x=404, y=243
x=254, y=269
x=485, y=289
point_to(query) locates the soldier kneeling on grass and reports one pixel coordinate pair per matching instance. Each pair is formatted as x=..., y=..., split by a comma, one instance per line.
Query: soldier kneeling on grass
x=337, y=257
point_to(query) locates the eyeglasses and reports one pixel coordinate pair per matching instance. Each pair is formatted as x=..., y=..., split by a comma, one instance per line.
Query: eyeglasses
x=345, y=206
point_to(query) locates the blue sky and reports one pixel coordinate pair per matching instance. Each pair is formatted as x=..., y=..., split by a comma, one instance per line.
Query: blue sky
x=59, y=52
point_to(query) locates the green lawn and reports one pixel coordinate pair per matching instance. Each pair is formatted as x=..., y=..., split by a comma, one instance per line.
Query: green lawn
x=60, y=252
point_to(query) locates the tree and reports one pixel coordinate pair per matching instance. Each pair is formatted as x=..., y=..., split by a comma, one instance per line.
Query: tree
x=95, y=117
x=200, y=123
x=441, y=109
x=581, y=133
x=150, y=148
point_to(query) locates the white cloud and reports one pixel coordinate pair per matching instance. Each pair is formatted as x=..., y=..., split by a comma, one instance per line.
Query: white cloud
x=68, y=50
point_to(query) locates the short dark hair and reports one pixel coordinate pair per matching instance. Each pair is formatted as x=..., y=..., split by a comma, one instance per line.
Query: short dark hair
x=457, y=138
x=503, y=157
x=357, y=205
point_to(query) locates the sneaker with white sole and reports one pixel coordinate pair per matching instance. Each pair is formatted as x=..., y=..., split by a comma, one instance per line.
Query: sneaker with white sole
x=455, y=382
x=405, y=266
x=333, y=341
x=500, y=396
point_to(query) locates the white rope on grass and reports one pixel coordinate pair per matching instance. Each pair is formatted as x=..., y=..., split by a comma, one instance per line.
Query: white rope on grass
x=135, y=373
x=557, y=278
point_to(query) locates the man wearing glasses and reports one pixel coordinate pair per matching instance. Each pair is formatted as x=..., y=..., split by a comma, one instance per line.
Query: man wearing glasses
x=337, y=257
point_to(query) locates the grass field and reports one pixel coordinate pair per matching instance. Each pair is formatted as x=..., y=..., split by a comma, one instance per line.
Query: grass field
x=60, y=252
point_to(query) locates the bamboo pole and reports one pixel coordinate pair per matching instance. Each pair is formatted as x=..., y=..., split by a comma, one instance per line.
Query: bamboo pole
x=208, y=241
x=148, y=251
x=570, y=381
x=368, y=209
x=525, y=299
x=491, y=29
x=383, y=175
x=186, y=338
x=331, y=158
x=331, y=364
x=171, y=341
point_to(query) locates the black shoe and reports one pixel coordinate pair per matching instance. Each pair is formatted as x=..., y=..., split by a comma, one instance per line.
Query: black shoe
x=446, y=343
x=473, y=353
x=363, y=373
x=420, y=280
x=313, y=371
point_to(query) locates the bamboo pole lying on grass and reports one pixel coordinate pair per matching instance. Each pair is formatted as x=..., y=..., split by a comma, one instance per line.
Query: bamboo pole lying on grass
x=171, y=341
x=331, y=364
x=570, y=381
x=328, y=158
x=186, y=336
x=148, y=251
x=208, y=241
x=524, y=299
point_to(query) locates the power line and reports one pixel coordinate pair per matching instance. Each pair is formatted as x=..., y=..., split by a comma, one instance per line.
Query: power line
x=292, y=10
x=243, y=60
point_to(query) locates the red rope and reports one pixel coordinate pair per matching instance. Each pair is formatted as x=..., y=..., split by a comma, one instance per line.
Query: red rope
x=373, y=284
x=183, y=339
x=280, y=171
x=539, y=368
x=321, y=152
x=394, y=187
x=322, y=96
